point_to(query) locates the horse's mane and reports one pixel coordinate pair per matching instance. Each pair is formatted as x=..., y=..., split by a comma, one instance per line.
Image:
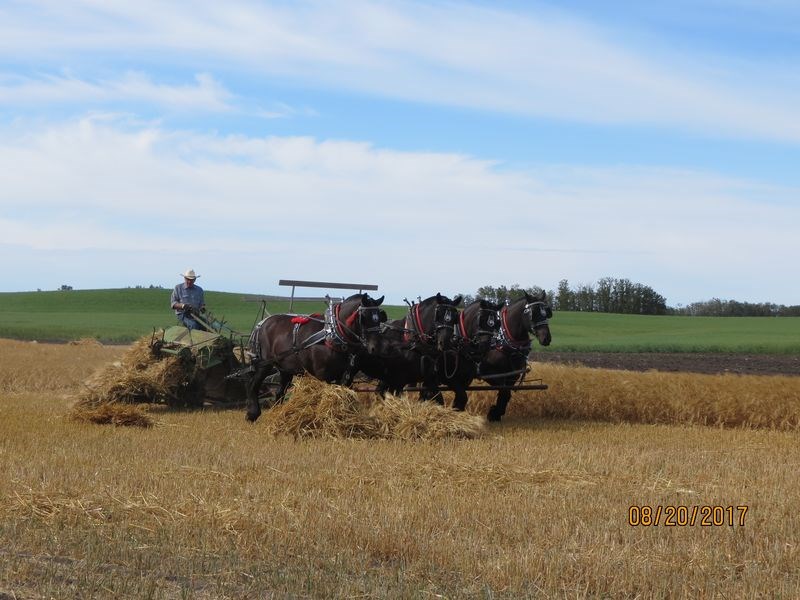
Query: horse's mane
x=486, y=304
x=527, y=298
x=365, y=299
x=441, y=299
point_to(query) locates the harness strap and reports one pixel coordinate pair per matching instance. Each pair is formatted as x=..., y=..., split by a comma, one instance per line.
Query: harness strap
x=339, y=332
x=420, y=326
x=504, y=325
x=314, y=338
x=462, y=325
x=507, y=340
x=414, y=325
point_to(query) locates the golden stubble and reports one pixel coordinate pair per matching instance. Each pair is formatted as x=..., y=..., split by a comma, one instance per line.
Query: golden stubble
x=204, y=504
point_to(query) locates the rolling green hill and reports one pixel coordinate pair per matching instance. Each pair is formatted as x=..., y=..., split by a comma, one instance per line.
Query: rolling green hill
x=123, y=315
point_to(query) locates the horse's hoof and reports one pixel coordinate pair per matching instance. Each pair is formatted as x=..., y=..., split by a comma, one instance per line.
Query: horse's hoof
x=493, y=416
x=252, y=417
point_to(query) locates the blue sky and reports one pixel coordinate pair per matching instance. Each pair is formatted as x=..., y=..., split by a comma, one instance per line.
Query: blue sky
x=422, y=146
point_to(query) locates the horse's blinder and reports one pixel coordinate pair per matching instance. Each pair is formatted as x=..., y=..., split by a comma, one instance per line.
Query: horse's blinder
x=445, y=316
x=538, y=314
x=370, y=318
x=488, y=321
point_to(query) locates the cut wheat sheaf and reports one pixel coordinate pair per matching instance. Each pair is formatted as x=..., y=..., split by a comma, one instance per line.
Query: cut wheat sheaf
x=316, y=409
x=112, y=395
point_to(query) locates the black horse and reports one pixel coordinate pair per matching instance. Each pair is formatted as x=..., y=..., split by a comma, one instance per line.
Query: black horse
x=506, y=362
x=412, y=349
x=325, y=348
x=477, y=328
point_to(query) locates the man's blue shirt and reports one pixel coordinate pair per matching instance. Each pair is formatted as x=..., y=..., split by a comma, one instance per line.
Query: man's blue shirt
x=187, y=295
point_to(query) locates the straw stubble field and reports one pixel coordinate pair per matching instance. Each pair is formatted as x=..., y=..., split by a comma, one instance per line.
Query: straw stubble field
x=205, y=505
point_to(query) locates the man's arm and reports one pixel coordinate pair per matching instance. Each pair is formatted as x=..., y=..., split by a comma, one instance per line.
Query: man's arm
x=175, y=300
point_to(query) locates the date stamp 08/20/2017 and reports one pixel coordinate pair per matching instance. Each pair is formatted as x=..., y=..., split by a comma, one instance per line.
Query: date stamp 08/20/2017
x=686, y=516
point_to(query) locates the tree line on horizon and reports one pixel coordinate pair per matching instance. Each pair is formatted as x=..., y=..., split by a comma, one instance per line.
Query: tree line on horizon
x=623, y=296
x=733, y=308
x=612, y=295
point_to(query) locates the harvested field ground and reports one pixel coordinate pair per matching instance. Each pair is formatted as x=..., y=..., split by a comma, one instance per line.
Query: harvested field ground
x=204, y=505
x=689, y=362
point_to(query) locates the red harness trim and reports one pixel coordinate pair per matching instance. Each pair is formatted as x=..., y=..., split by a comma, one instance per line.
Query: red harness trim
x=420, y=328
x=463, y=325
x=416, y=320
x=504, y=323
x=350, y=320
x=303, y=319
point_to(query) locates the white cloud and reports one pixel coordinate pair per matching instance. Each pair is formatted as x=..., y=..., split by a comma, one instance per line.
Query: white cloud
x=205, y=94
x=252, y=210
x=542, y=64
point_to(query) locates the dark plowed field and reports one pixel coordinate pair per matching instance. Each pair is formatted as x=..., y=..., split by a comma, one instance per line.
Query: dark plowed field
x=745, y=364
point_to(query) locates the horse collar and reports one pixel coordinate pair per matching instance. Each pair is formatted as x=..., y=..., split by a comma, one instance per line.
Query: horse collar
x=418, y=322
x=506, y=337
x=340, y=332
x=463, y=325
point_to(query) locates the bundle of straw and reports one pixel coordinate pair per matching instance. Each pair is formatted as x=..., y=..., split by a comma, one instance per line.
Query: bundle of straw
x=399, y=417
x=316, y=409
x=139, y=377
x=112, y=413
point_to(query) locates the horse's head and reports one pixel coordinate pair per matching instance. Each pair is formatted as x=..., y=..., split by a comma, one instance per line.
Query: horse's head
x=434, y=320
x=537, y=314
x=481, y=321
x=362, y=316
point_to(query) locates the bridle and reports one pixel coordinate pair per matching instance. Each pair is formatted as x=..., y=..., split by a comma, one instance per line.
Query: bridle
x=488, y=325
x=369, y=322
x=444, y=317
x=543, y=314
x=536, y=313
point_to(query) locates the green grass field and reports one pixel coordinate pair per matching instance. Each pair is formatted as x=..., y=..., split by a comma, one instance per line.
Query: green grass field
x=575, y=331
x=122, y=315
x=126, y=314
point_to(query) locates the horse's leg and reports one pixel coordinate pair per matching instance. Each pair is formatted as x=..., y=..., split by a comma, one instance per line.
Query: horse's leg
x=462, y=378
x=460, y=401
x=499, y=409
x=349, y=373
x=430, y=381
x=253, y=387
x=286, y=381
x=431, y=392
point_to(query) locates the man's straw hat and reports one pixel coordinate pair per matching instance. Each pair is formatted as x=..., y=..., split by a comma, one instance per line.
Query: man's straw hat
x=189, y=274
